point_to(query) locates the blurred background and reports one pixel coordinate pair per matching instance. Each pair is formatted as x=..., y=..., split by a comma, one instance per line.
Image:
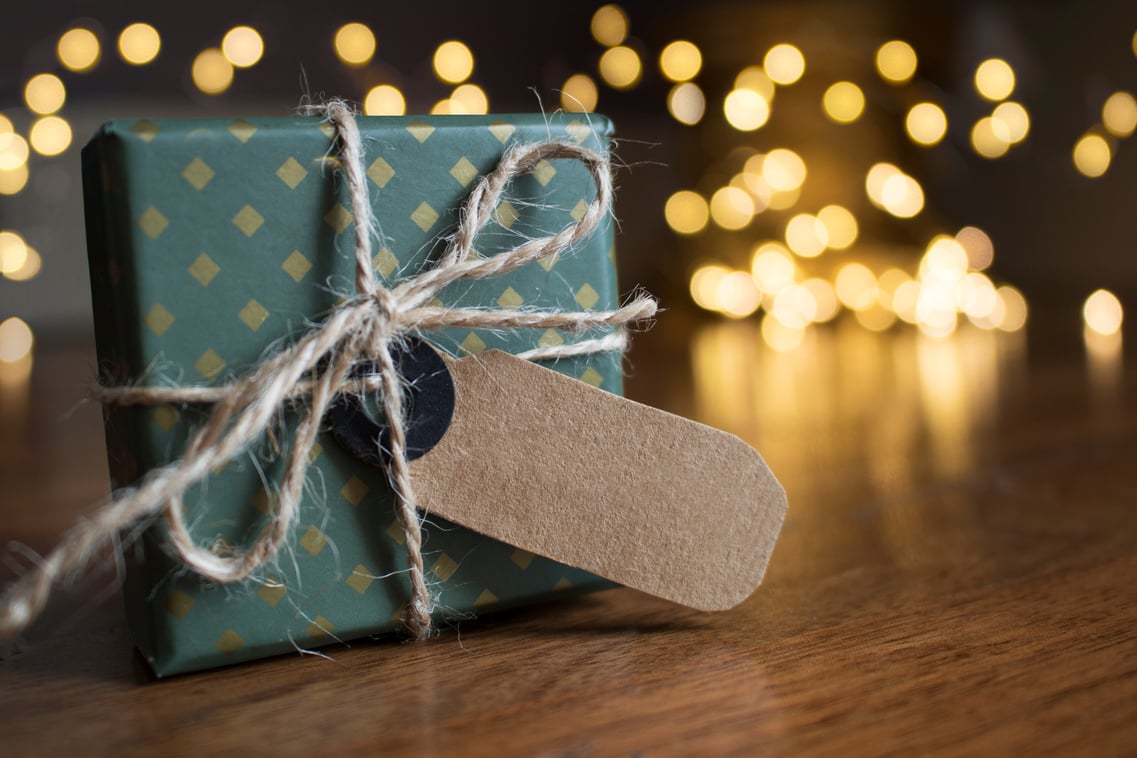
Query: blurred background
x=868, y=222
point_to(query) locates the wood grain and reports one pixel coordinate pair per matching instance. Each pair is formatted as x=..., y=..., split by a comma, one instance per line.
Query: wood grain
x=988, y=611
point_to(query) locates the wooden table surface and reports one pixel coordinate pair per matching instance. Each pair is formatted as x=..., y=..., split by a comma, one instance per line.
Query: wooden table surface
x=956, y=575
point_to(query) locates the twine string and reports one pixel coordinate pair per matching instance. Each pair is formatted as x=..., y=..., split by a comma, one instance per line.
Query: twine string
x=311, y=372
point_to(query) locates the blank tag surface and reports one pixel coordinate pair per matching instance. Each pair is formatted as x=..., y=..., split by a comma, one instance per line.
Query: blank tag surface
x=639, y=496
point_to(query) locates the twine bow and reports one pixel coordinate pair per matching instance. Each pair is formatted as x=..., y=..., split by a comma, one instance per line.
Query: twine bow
x=365, y=328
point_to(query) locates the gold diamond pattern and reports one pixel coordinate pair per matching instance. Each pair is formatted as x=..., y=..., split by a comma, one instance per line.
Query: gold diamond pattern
x=320, y=627
x=385, y=261
x=152, y=222
x=522, y=558
x=578, y=131
x=506, y=214
x=380, y=172
x=317, y=448
x=164, y=417
x=262, y=501
x=253, y=314
x=242, y=130
x=328, y=130
x=209, y=364
x=444, y=567
x=562, y=585
x=543, y=172
x=463, y=171
x=354, y=491
x=338, y=218
x=395, y=532
x=314, y=541
x=473, y=344
x=592, y=376
x=229, y=642
x=291, y=173
x=551, y=338
x=146, y=130
x=502, y=131
x=548, y=261
x=579, y=210
x=203, y=269
x=198, y=173
x=424, y=216
x=420, y=130
x=510, y=298
x=486, y=599
x=248, y=220
x=272, y=591
x=360, y=579
x=586, y=296
x=158, y=320
x=179, y=603
x=296, y=265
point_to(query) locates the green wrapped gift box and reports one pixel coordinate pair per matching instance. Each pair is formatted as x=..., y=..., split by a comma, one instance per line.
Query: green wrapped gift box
x=210, y=242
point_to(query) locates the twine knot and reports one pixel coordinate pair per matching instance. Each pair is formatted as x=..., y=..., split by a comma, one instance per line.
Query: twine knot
x=315, y=369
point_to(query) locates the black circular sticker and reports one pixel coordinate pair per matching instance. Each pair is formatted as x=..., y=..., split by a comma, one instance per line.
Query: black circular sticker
x=428, y=400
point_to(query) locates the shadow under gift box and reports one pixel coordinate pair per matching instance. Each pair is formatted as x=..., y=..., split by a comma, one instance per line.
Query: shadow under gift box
x=212, y=242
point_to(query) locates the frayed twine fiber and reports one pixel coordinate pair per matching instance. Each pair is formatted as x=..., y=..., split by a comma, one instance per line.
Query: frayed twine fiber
x=366, y=327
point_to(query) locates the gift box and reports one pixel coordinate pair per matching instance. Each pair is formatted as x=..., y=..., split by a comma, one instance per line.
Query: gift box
x=211, y=242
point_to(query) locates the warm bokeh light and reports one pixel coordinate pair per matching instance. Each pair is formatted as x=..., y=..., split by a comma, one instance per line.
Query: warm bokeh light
x=795, y=307
x=78, y=49
x=824, y=298
x=1119, y=114
x=1092, y=155
x=902, y=196
x=995, y=79
x=705, y=286
x=896, y=61
x=384, y=100
x=975, y=295
x=840, y=226
x=469, y=98
x=806, y=235
x=989, y=138
x=731, y=208
x=1103, y=313
x=242, y=46
x=609, y=25
x=16, y=340
x=746, y=110
x=686, y=103
x=784, y=64
x=441, y=108
x=13, y=181
x=13, y=151
x=843, y=102
x=686, y=212
x=779, y=337
x=944, y=262
x=855, y=286
x=453, y=62
x=875, y=179
x=680, y=61
x=1011, y=121
x=212, y=72
x=50, y=135
x=783, y=170
x=738, y=295
x=772, y=267
x=44, y=94
x=621, y=67
x=754, y=79
x=28, y=268
x=926, y=124
x=978, y=246
x=139, y=43
x=1014, y=309
x=354, y=44
x=13, y=252
x=579, y=94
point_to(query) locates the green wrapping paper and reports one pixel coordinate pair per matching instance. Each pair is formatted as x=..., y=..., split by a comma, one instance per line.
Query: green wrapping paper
x=210, y=242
